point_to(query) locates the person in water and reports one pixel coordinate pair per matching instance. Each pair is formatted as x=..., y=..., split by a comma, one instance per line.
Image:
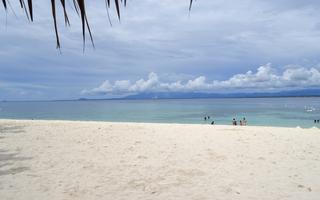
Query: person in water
x=315, y=121
x=244, y=122
x=212, y=123
x=234, y=122
x=205, y=118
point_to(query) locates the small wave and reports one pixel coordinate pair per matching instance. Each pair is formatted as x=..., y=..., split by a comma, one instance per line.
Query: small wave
x=309, y=109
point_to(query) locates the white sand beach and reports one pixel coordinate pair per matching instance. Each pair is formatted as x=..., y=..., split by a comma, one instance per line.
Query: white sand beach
x=57, y=160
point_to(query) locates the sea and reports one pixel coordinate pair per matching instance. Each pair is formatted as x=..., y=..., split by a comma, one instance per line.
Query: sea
x=280, y=112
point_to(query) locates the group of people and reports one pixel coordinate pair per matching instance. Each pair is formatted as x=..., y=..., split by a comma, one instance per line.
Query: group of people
x=208, y=118
x=317, y=121
x=242, y=122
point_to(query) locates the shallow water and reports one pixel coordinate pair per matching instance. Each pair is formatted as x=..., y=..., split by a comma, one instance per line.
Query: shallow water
x=289, y=112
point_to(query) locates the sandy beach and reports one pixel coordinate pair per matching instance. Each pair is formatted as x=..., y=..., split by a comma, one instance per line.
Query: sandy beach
x=102, y=160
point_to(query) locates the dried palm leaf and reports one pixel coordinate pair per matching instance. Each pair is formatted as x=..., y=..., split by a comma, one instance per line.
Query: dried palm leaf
x=4, y=4
x=80, y=8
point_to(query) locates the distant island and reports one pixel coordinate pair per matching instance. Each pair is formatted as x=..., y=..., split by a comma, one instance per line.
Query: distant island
x=199, y=95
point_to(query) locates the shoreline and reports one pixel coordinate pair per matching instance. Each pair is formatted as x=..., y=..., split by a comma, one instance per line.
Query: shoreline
x=151, y=123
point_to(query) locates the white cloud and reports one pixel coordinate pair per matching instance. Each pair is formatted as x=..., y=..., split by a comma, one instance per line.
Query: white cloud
x=145, y=85
x=265, y=77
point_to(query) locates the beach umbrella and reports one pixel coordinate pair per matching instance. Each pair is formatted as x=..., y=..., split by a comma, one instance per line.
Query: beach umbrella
x=80, y=8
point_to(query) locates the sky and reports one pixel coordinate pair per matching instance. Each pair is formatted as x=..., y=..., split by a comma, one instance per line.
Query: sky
x=158, y=46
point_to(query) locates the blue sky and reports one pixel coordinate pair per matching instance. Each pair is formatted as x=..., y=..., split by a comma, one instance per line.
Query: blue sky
x=222, y=46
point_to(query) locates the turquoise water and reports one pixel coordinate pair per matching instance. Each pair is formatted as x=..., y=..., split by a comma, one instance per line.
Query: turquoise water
x=289, y=112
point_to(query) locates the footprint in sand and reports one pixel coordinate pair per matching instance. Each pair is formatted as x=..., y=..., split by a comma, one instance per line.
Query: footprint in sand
x=142, y=157
x=137, y=142
x=302, y=187
x=216, y=157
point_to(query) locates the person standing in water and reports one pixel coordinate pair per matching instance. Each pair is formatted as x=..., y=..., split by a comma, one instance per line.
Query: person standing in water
x=244, y=122
x=234, y=122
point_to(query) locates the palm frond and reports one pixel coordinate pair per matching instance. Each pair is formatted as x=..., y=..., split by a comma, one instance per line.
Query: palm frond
x=30, y=9
x=190, y=6
x=80, y=9
x=4, y=4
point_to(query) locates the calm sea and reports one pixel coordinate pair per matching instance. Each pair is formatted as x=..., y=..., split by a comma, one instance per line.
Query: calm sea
x=289, y=112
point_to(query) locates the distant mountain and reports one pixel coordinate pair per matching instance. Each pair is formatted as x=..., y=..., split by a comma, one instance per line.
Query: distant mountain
x=197, y=95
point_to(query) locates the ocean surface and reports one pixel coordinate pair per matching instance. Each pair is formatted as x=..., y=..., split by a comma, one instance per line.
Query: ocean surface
x=286, y=112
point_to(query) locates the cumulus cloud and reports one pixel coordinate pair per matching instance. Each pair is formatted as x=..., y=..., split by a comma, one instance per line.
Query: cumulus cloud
x=265, y=77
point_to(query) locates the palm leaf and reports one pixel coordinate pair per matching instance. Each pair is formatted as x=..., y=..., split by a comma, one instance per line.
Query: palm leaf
x=53, y=6
x=80, y=8
x=30, y=9
x=190, y=6
x=66, y=19
x=117, y=7
x=4, y=4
